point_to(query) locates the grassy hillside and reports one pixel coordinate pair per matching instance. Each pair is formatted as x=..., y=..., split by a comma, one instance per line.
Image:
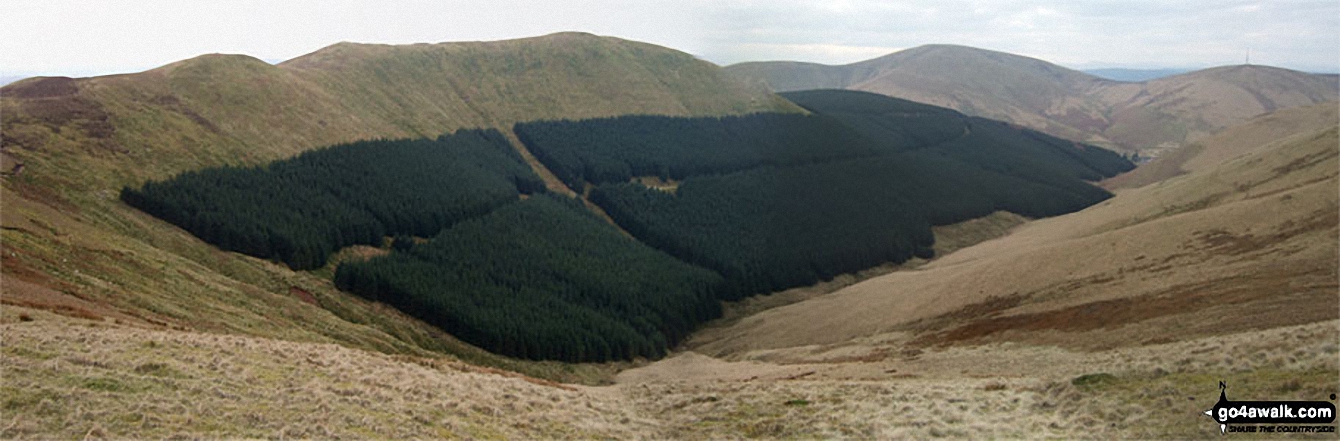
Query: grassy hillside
x=1245, y=242
x=230, y=109
x=1276, y=127
x=1148, y=117
x=1188, y=107
x=1127, y=316
x=69, y=145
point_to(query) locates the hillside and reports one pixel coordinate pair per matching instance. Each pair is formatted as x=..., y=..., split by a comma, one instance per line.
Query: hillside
x=70, y=145
x=229, y=109
x=1147, y=117
x=1239, y=243
x=1275, y=127
x=763, y=202
x=1236, y=260
x=1187, y=107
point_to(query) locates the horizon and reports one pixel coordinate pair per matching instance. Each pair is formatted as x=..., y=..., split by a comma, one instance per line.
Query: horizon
x=9, y=76
x=126, y=36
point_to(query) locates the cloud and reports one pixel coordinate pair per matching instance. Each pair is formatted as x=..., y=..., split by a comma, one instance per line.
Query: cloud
x=79, y=37
x=1301, y=34
x=815, y=53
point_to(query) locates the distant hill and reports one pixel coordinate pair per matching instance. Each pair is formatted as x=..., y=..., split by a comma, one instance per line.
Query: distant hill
x=1143, y=117
x=1133, y=75
x=1185, y=108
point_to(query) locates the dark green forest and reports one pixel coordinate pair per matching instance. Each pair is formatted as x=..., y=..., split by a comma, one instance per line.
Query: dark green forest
x=617, y=149
x=797, y=219
x=766, y=202
x=898, y=125
x=543, y=278
x=299, y=210
x=770, y=229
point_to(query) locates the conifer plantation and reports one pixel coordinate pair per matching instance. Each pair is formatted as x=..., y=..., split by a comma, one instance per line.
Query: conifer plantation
x=763, y=202
x=543, y=278
x=618, y=149
x=301, y=209
x=773, y=202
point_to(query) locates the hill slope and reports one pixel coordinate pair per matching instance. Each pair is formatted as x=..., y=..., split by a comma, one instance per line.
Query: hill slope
x=69, y=145
x=1036, y=375
x=228, y=109
x=1248, y=242
x=1128, y=116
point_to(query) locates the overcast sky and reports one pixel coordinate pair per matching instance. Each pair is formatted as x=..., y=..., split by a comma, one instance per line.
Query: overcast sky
x=83, y=38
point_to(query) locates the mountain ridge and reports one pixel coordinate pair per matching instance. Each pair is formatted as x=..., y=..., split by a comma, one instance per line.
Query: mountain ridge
x=1144, y=117
x=248, y=110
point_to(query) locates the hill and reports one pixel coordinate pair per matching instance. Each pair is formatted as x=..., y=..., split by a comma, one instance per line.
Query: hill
x=1148, y=117
x=768, y=201
x=70, y=145
x=235, y=109
x=1168, y=112
x=1275, y=127
x=1240, y=242
x=1247, y=242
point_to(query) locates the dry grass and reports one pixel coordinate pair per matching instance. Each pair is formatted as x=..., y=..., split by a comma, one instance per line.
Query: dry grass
x=68, y=378
x=65, y=379
x=998, y=390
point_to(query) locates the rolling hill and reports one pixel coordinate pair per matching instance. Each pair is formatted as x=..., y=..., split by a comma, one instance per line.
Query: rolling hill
x=1241, y=241
x=1148, y=117
x=234, y=109
x=1224, y=273
x=70, y=145
x=764, y=202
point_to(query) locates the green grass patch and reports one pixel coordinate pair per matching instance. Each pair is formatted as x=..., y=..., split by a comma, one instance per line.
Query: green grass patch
x=17, y=399
x=14, y=351
x=104, y=384
x=1092, y=381
x=158, y=370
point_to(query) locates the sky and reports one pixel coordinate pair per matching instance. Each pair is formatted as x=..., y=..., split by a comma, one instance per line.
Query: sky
x=84, y=38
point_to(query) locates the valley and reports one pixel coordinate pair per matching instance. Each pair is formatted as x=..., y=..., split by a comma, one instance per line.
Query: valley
x=1148, y=118
x=818, y=264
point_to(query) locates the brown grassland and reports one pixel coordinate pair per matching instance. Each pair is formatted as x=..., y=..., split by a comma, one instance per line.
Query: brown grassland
x=1218, y=262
